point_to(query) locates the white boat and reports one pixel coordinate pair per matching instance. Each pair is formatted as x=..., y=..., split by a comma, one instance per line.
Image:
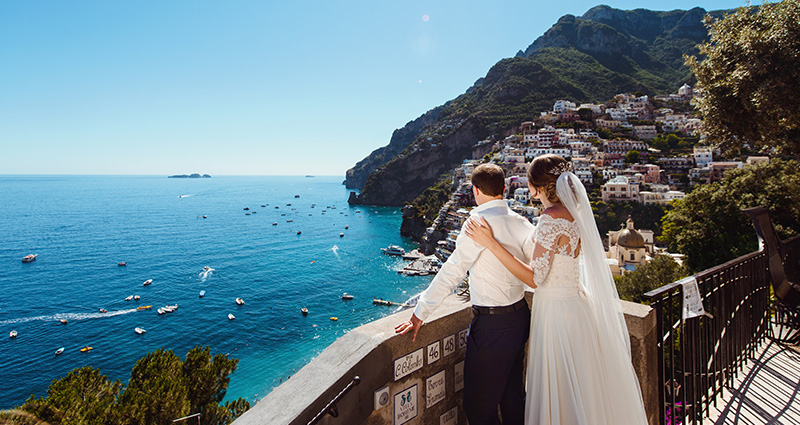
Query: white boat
x=168, y=308
x=161, y=311
x=239, y=301
x=393, y=250
x=63, y=321
x=129, y=297
x=202, y=293
x=12, y=334
x=139, y=330
x=147, y=282
x=347, y=296
x=231, y=316
x=29, y=258
x=136, y=297
x=102, y=310
x=59, y=351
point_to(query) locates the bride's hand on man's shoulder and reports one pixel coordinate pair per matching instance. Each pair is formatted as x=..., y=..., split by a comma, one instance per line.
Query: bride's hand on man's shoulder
x=477, y=229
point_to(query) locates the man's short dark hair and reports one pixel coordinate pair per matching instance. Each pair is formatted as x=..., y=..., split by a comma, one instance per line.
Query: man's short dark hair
x=489, y=178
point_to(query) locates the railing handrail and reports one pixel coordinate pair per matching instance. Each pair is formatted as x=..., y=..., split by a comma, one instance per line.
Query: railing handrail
x=701, y=274
x=331, y=406
x=661, y=289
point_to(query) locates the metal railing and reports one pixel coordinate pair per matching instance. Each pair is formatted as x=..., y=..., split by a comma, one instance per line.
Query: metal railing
x=698, y=357
x=331, y=408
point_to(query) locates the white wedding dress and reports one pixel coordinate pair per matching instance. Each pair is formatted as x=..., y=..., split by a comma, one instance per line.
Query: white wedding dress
x=575, y=375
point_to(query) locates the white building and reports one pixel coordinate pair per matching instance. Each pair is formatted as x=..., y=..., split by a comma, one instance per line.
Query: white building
x=522, y=195
x=562, y=106
x=645, y=132
x=533, y=153
x=620, y=188
x=703, y=156
x=596, y=109
x=583, y=169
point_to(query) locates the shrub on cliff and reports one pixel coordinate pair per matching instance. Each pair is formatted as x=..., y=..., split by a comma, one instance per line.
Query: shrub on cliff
x=162, y=388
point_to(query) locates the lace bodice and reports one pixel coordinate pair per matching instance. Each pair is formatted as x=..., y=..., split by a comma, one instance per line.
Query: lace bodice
x=555, y=256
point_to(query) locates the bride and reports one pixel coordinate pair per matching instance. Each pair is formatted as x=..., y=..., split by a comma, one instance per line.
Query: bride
x=579, y=361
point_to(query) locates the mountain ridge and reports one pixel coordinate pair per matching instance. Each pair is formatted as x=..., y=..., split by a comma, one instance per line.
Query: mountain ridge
x=584, y=59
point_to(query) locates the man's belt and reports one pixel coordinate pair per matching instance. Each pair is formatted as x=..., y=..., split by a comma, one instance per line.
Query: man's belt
x=490, y=311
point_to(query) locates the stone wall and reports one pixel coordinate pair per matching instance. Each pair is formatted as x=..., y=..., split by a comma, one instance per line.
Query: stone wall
x=416, y=383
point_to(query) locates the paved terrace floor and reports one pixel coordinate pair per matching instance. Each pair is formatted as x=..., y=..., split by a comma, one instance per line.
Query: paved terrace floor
x=766, y=392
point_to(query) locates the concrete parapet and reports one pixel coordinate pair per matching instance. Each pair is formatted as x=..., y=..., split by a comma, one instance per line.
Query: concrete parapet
x=405, y=382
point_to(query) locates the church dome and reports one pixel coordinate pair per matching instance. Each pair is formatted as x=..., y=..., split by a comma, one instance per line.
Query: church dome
x=631, y=239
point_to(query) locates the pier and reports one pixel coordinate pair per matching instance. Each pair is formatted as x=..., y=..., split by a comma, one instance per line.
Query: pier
x=420, y=265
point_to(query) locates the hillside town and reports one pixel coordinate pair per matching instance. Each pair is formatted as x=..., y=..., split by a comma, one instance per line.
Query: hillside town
x=633, y=148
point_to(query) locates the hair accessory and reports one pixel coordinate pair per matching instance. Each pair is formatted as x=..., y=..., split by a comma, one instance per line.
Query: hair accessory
x=560, y=169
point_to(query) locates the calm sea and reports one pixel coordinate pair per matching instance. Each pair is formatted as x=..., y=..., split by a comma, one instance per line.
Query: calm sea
x=82, y=226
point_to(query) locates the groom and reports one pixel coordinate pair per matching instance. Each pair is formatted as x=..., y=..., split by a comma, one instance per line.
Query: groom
x=493, y=363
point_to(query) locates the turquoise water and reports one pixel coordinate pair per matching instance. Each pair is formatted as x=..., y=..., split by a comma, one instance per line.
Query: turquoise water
x=82, y=226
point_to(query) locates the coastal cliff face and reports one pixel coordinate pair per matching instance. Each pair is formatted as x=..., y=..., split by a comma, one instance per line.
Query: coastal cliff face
x=418, y=166
x=584, y=59
x=401, y=138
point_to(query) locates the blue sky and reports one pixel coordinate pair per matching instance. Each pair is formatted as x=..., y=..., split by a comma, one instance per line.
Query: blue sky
x=243, y=87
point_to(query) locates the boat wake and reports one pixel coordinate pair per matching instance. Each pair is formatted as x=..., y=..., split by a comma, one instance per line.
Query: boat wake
x=207, y=271
x=335, y=250
x=185, y=196
x=67, y=316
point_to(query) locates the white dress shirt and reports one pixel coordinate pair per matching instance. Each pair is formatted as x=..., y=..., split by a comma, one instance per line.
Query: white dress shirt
x=490, y=283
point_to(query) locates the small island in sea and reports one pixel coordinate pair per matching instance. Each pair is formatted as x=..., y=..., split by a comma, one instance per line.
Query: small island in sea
x=189, y=176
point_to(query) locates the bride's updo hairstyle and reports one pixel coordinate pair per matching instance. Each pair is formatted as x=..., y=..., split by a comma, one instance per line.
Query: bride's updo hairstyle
x=543, y=173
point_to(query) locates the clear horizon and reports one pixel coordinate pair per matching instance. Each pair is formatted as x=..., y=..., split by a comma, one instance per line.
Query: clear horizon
x=243, y=89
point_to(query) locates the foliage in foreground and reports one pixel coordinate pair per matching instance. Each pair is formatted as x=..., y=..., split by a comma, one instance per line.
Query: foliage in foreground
x=162, y=388
x=708, y=225
x=661, y=271
x=749, y=78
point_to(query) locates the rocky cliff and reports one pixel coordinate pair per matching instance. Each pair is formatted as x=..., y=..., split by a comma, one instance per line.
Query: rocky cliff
x=584, y=59
x=357, y=176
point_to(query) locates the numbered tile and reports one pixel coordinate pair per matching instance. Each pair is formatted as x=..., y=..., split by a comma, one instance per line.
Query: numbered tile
x=434, y=352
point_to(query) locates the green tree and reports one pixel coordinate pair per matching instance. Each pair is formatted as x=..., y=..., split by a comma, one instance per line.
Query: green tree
x=750, y=78
x=661, y=270
x=162, y=388
x=632, y=157
x=84, y=396
x=708, y=226
x=206, y=380
x=156, y=393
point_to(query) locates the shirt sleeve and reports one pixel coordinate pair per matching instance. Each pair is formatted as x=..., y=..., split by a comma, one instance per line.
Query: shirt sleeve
x=452, y=272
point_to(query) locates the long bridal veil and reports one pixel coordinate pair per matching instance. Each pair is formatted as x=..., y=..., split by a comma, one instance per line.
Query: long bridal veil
x=596, y=278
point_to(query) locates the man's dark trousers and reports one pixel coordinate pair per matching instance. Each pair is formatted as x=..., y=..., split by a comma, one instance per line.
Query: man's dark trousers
x=493, y=367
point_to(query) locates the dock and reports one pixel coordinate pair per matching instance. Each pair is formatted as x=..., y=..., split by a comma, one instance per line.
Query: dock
x=421, y=266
